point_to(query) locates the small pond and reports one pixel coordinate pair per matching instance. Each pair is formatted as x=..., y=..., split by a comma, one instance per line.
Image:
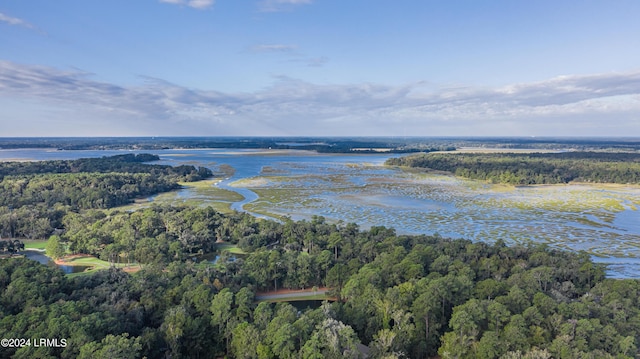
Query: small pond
x=213, y=257
x=303, y=305
x=43, y=259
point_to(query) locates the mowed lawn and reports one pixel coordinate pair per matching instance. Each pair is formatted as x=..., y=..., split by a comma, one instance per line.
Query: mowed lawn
x=94, y=264
x=34, y=244
x=232, y=248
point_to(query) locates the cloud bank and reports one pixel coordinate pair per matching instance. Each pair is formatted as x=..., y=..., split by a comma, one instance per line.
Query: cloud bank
x=598, y=104
x=14, y=21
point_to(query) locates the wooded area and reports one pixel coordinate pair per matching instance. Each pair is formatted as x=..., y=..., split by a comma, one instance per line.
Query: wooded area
x=37, y=195
x=532, y=168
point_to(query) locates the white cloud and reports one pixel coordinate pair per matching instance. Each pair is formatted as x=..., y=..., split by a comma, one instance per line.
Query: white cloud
x=281, y=5
x=569, y=105
x=201, y=4
x=196, y=4
x=14, y=21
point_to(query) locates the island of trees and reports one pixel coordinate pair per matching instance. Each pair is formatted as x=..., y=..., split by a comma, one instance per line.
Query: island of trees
x=37, y=195
x=532, y=168
x=393, y=296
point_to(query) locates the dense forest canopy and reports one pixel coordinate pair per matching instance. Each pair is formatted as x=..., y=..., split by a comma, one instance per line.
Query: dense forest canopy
x=36, y=195
x=401, y=296
x=532, y=168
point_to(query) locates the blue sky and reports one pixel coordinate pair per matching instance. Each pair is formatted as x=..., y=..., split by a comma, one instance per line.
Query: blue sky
x=319, y=67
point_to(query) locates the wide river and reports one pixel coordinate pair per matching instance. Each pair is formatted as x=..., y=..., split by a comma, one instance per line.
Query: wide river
x=603, y=220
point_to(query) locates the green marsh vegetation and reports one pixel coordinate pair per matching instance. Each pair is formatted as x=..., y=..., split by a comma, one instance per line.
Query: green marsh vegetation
x=566, y=216
x=208, y=193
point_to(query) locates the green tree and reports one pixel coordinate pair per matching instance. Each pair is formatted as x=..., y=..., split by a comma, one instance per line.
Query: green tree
x=245, y=342
x=221, y=312
x=174, y=327
x=333, y=340
x=490, y=346
x=335, y=240
x=112, y=346
x=55, y=248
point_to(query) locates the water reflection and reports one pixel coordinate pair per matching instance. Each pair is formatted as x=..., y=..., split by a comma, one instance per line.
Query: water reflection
x=214, y=257
x=43, y=259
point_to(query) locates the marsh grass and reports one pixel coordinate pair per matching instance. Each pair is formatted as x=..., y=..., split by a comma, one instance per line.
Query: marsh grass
x=574, y=217
x=197, y=194
x=208, y=190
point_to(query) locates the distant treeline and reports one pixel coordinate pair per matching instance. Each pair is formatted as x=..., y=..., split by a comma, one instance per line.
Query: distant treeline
x=326, y=144
x=35, y=195
x=532, y=168
x=323, y=145
x=128, y=163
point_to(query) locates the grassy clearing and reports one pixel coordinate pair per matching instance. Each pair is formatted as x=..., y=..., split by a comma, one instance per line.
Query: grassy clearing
x=94, y=264
x=91, y=261
x=232, y=248
x=85, y=261
x=35, y=244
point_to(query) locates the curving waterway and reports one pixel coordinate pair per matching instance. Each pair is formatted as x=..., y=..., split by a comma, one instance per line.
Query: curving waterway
x=603, y=220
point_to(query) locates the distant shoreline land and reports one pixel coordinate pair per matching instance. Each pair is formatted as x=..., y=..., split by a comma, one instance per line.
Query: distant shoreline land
x=532, y=168
x=360, y=145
